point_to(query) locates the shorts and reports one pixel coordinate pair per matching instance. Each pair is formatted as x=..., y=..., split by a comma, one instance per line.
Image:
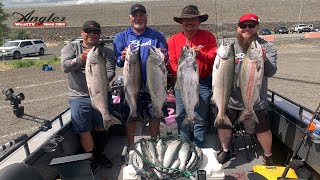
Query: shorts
x=259, y=128
x=84, y=117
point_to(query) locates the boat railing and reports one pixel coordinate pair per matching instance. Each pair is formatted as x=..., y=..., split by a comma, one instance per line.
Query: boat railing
x=297, y=110
x=23, y=139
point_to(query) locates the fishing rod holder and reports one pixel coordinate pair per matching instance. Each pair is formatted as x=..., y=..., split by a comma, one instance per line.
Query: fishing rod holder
x=15, y=99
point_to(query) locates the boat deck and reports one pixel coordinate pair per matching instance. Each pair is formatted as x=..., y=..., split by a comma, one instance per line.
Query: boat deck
x=236, y=169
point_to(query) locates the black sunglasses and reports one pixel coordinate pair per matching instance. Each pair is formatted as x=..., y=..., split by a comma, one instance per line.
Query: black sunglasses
x=243, y=26
x=88, y=31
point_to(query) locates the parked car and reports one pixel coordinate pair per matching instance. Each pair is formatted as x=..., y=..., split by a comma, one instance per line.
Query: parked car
x=316, y=29
x=19, y=48
x=281, y=30
x=265, y=32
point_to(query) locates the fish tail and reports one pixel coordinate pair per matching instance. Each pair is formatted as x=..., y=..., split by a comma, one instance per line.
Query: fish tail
x=107, y=123
x=188, y=122
x=255, y=118
x=245, y=115
x=222, y=121
x=131, y=118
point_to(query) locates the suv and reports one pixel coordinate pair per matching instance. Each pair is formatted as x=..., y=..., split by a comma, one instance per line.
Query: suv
x=265, y=32
x=19, y=48
x=281, y=30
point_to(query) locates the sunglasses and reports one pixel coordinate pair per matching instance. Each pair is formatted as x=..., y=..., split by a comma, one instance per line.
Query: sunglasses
x=243, y=26
x=88, y=31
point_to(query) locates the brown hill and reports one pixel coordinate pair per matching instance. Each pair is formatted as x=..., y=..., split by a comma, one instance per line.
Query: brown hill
x=223, y=15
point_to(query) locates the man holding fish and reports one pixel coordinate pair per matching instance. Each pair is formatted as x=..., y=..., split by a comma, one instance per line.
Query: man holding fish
x=192, y=54
x=88, y=95
x=134, y=48
x=255, y=61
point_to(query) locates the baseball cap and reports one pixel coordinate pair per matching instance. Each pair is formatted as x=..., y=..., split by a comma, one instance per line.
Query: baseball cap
x=249, y=17
x=91, y=25
x=138, y=7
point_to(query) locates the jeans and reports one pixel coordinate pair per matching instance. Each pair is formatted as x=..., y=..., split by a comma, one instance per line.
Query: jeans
x=198, y=131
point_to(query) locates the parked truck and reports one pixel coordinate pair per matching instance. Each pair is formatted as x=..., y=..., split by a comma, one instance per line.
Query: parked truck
x=19, y=48
x=301, y=28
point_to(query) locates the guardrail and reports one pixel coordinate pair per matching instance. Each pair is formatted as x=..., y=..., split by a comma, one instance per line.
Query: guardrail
x=23, y=139
x=302, y=113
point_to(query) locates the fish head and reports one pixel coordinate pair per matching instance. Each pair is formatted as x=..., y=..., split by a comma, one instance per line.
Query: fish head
x=255, y=51
x=132, y=54
x=187, y=54
x=96, y=55
x=225, y=50
x=156, y=56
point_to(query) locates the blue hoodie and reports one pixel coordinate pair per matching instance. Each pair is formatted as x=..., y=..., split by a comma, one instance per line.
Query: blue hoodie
x=149, y=37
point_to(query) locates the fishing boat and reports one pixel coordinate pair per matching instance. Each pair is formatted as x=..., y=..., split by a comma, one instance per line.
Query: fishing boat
x=52, y=151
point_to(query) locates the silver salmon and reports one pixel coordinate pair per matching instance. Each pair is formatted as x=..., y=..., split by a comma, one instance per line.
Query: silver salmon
x=251, y=75
x=223, y=82
x=97, y=82
x=187, y=82
x=132, y=79
x=157, y=79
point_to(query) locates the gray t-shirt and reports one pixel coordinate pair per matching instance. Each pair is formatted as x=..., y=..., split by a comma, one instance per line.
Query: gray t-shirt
x=270, y=68
x=72, y=64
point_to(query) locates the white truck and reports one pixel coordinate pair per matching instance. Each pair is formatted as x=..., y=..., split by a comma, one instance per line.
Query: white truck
x=301, y=28
x=19, y=48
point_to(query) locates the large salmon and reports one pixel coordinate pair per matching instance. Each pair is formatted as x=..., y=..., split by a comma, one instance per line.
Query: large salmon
x=251, y=75
x=187, y=82
x=97, y=82
x=223, y=81
x=132, y=79
x=157, y=79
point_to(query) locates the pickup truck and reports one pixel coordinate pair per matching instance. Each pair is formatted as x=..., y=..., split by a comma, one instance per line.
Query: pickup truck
x=19, y=48
x=301, y=28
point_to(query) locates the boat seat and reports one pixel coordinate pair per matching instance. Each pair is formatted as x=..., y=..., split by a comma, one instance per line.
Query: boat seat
x=239, y=131
x=20, y=171
x=75, y=167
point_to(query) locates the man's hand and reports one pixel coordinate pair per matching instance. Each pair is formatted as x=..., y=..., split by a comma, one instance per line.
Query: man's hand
x=84, y=55
x=123, y=54
x=264, y=54
x=197, y=49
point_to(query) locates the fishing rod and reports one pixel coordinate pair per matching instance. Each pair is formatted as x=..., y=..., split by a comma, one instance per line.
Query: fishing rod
x=292, y=162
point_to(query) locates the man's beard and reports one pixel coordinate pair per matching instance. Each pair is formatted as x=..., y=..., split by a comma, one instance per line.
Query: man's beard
x=139, y=26
x=245, y=43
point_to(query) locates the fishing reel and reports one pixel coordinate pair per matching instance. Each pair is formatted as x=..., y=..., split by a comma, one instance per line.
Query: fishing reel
x=15, y=99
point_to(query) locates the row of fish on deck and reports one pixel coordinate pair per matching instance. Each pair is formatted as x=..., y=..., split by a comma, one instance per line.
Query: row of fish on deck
x=165, y=157
x=224, y=81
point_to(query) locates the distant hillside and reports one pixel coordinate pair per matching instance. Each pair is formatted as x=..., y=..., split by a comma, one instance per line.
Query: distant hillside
x=223, y=15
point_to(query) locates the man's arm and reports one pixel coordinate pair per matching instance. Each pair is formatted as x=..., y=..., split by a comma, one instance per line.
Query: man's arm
x=210, y=52
x=118, y=47
x=70, y=60
x=110, y=63
x=162, y=44
x=270, y=65
x=173, y=56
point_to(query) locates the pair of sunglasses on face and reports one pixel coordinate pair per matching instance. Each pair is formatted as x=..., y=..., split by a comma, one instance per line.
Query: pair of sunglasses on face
x=243, y=26
x=89, y=31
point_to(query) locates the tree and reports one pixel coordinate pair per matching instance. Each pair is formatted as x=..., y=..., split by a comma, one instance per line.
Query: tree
x=19, y=34
x=4, y=30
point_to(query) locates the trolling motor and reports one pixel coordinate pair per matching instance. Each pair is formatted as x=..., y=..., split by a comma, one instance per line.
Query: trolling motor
x=15, y=99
